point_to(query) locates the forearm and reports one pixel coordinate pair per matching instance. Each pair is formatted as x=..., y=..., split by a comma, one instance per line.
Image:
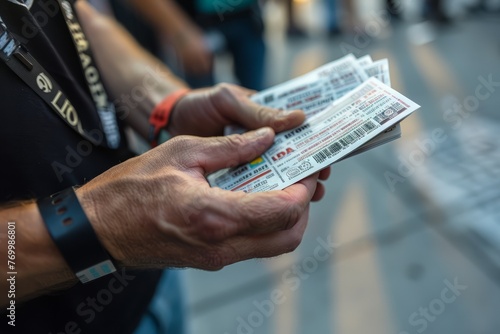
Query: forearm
x=39, y=266
x=136, y=80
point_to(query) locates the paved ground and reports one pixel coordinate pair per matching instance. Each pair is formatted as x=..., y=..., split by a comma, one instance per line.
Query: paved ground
x=385, y=260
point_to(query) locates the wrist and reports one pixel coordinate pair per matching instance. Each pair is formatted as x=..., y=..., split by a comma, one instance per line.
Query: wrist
x=162, y=113
x=74, y=235
x=89, y=200
x=46, y=267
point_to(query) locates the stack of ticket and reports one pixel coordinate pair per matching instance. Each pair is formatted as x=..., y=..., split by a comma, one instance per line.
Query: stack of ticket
x=350, y=108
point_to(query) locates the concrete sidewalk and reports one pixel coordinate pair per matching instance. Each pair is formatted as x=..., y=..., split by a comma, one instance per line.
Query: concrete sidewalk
x=376, y=258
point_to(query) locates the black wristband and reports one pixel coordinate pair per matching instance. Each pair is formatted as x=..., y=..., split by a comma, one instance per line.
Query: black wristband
x=74, y=236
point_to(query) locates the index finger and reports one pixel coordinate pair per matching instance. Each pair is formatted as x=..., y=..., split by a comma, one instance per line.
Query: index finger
x=257, y=213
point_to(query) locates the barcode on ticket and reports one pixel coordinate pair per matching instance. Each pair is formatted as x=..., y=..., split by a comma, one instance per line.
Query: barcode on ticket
x=327, y=152
x=368, y=126
x=345, y=141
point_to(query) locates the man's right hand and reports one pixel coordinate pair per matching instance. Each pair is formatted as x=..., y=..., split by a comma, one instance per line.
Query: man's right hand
x=157, y=210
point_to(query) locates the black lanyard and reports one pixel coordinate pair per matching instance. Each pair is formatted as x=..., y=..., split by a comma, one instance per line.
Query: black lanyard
x=21, y=62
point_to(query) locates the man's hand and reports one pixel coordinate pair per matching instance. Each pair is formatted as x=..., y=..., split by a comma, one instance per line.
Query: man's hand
x=158, y=210
x=205, y=112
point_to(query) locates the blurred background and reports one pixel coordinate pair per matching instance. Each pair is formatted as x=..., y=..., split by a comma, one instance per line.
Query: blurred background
x=407, y=239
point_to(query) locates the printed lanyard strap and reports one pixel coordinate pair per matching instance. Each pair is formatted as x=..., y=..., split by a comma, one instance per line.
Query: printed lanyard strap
x=21, y=62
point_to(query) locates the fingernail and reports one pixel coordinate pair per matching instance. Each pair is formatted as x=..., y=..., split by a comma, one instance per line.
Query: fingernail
x=285, y=113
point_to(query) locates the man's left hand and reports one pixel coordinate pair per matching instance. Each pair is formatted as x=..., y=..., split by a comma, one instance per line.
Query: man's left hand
x=205, y=112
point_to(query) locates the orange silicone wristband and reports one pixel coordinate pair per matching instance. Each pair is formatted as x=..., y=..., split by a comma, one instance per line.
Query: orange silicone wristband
x=161, y=113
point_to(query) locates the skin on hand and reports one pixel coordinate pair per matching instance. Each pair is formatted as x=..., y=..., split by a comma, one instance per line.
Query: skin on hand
x=158, y=210
x=205, y=112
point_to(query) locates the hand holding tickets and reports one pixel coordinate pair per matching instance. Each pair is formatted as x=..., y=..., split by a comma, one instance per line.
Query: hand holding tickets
x=349, y=109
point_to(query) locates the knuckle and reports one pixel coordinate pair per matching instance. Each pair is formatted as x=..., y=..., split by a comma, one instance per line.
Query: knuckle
x=212, y=232
x=263, y=113
x=185, y=149
x=280, y=124
x=192, y=213
x=291, y=214
x=224, y=86
x=275, y=214
x=209, y=227
x=295, y=240
x=266, y=116
x=225, y=89
x=236, y=141
x=214, y=260
x=225, y=96
x=181, y=142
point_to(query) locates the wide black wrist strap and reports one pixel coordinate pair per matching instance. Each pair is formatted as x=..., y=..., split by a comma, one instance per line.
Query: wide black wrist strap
x=74, y=236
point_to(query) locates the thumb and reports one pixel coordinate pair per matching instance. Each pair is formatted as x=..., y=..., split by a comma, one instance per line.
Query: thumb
x=254, y=116
x=234, y=150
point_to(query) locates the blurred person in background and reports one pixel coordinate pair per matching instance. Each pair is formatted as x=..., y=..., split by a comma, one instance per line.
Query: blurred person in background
x=434, y=11
x=293, y=30
x=196, y=29
x=348, y=16
x=339, y=16
x=394, y=8
x=333, y=27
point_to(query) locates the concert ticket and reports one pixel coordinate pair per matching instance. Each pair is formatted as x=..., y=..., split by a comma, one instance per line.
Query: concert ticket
x=323, y=139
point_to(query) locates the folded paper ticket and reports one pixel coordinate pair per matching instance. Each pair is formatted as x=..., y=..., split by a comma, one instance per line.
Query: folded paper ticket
x=326, y=137
x=316, y=90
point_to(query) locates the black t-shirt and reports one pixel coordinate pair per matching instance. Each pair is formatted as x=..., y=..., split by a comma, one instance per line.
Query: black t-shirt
x=40, y=155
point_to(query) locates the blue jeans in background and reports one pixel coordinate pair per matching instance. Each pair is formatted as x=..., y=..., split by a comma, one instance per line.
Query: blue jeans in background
x=245, y=42
x=167, y=310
